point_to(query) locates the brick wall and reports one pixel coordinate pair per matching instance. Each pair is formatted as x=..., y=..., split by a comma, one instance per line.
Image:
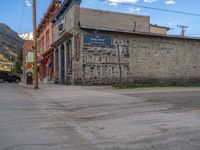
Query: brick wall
x=43, y=39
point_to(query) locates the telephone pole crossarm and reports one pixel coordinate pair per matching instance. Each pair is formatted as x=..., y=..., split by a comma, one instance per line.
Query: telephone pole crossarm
x=183, y=29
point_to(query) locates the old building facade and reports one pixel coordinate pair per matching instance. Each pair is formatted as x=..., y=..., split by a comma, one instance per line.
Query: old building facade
x=27, y=55
x=65, y=33
x=44, y=42
x=118, y=48
x=158, y=29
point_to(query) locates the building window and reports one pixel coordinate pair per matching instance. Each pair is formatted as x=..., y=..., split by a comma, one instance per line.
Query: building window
x=42, y=44
x=47, y=39
x=61, y=27
x=39, y=46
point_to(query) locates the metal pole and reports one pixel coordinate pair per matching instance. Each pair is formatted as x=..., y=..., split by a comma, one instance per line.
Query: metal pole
x=35, y=46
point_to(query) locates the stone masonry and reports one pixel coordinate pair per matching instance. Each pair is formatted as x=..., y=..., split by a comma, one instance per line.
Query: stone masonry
x=143, y=58
x=134, y=54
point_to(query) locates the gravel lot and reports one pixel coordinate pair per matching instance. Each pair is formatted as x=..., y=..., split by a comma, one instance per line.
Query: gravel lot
x=98, y=118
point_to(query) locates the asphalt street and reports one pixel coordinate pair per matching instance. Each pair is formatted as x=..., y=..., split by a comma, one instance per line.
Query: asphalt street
x=98, y=118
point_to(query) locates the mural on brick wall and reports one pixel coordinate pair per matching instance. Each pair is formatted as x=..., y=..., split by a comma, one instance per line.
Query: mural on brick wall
x=103, y=62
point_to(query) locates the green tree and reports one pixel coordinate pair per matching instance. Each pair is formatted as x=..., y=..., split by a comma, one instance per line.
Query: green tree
x=18, y=64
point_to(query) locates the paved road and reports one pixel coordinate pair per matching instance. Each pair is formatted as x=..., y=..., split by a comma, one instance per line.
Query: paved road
x=98, y=118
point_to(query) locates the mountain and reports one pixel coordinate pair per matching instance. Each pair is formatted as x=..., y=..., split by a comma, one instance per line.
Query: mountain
x=10, y=43
x=26, y=36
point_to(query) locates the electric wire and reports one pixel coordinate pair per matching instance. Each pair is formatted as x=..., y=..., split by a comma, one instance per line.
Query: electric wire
x=22, y=16
x=153, y=8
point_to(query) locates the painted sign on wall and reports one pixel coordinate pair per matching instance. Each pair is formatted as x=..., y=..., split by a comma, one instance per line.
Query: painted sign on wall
x=30, y=57
x=97, y=40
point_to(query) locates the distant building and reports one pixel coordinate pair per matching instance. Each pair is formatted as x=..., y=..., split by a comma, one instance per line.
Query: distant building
x=44, y=42
x=28, y=53
x=158, y=29
x=100, y=47
x=5, y=64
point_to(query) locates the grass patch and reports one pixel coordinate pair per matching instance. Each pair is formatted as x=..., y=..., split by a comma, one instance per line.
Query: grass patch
x=148, y=85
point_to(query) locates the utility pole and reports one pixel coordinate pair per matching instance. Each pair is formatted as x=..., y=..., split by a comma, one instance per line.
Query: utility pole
x=183, y=29
x=35, y=45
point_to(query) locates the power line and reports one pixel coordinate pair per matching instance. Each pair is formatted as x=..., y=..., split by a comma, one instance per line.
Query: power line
x=194, y=33
x=22, y=16
x=153, y=8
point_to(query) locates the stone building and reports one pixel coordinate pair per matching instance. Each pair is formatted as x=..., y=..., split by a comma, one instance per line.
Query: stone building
x=95, y=47
x=44, y=42
x=158, y=29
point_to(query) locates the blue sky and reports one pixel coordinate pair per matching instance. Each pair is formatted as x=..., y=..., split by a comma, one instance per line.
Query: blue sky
x=18, y=13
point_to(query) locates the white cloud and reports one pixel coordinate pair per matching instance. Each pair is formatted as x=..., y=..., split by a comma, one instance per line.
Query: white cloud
x=138, y=9
x=123, y=1
x=170, y=23
x=134, y=10
x=170, y=2
x=28, y=3
x=114, y=2
x=149, y=1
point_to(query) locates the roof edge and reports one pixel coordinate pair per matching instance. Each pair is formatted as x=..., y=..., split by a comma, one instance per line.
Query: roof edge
x=139, y=33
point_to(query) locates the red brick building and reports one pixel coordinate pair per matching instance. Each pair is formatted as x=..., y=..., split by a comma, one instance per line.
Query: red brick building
x=44, y=42
x=27, y=49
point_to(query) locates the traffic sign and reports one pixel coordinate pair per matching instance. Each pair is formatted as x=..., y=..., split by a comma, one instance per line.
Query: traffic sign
x=29, y=66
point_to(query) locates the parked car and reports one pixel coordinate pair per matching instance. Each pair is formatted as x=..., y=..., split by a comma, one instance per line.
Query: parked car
x=9, y=77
